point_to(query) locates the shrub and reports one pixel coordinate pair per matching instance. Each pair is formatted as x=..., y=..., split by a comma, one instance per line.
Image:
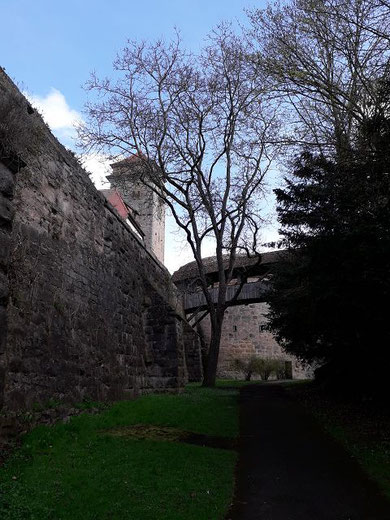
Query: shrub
x=239, y=365
x=264, y=367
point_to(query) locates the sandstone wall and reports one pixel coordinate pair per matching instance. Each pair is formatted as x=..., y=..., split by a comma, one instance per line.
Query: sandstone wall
x=91, y=313
x=6, y=218
x=244, y=336
x=193, y=353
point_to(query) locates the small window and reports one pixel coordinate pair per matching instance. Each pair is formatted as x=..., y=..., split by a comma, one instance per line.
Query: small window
x=235, y=328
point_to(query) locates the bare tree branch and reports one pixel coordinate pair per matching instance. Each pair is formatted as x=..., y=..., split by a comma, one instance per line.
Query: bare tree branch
x=326, y=59
x=205, y=133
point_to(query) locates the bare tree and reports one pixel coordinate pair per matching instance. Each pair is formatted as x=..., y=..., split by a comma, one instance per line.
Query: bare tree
x=328, y=60
x=203, y=129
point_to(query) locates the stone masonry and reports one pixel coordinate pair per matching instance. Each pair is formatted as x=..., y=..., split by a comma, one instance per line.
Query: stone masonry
x=244, y=328
x=86, y=311
x=244, y=335
x=6, y=217
x=147, y=205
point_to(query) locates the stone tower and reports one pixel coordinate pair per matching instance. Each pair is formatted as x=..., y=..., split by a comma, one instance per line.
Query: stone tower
x=148, y=207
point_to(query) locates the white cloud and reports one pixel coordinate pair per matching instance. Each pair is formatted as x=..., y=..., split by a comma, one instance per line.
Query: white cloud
x=98, y=166
x=177, y=250
x=62, y=120
x=57, y=114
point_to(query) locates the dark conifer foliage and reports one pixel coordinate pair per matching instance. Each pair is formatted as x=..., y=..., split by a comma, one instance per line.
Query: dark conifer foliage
x=331, y=300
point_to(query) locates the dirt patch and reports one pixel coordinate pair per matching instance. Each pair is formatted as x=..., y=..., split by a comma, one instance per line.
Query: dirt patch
x=146, y=432
x=169, y=434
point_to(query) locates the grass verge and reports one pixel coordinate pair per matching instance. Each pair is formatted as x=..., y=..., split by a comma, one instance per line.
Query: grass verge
x=362, y=427
x=74, y=471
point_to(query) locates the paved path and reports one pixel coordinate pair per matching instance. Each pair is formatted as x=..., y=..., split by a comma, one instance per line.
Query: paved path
x=290, y=470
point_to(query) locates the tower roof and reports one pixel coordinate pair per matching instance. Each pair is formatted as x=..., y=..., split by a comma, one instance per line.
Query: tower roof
x=129, y=161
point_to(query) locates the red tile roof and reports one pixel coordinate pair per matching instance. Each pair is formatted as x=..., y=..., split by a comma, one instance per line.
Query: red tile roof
x=117, y=202
x=129, y=160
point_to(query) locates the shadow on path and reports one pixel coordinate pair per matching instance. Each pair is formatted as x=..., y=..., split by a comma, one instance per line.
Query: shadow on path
x=289, y=469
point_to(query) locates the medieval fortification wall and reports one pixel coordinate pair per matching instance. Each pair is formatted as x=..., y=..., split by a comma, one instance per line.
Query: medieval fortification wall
x=86, y=311
x=244, y=335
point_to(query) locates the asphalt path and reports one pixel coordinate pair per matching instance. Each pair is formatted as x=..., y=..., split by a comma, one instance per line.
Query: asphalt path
x=289, y=469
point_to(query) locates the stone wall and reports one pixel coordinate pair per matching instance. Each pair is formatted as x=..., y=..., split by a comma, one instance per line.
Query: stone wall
x=193, y=353
x=6, y=218
x=91, y=313
x=244, y=335
x=163, y=333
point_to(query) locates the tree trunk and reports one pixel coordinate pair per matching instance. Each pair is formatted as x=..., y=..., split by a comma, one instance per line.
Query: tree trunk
x=210, y=372
x=203, y=347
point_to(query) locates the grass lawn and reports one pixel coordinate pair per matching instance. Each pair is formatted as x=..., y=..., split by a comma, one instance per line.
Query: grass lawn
x=79, y=471
x=363, y=428
x=237, y=383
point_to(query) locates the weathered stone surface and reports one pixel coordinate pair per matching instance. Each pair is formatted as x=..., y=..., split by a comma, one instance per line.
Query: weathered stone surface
x=3, y=321
x=3, y=289
x=193, y=353
x=91, y=314
x=5, y=243
x=6, y=181
x=6, y=216
x=244, y=335
x=6, y=210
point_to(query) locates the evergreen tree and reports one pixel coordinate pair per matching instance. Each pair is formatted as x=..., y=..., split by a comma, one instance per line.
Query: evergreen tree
x=331, y=298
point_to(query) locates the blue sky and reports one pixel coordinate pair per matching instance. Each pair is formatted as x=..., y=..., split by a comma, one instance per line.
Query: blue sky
x=49, y=47
x=55, y=44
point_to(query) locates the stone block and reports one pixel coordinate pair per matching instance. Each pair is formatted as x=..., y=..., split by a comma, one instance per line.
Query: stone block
x=5, y=244
x=3, y=328
x=4, y=290
x=6, y=209
x=6, y=181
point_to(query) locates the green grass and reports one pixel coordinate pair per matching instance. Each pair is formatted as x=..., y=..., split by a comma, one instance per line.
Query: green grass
x=363, y=429
x=74, y=471
x=237, y=383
